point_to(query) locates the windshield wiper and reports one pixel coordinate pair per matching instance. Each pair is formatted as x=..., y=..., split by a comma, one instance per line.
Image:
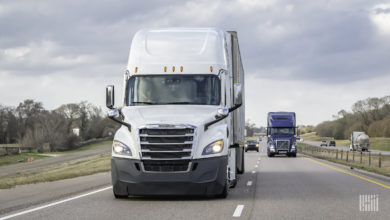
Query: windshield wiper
x=146, y=103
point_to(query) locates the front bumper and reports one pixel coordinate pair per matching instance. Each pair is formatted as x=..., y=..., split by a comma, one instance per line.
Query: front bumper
x=205, y=177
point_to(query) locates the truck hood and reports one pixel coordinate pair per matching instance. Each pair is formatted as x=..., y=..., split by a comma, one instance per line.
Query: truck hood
x=196, y=115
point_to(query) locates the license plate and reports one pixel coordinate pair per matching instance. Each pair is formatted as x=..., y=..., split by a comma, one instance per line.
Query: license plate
x=282, y=151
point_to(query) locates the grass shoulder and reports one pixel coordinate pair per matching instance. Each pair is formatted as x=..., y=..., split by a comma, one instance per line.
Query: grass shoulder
x=84, y=148
x=20, y=158
x=28, y=157
x=72, y=169
x=377, y=143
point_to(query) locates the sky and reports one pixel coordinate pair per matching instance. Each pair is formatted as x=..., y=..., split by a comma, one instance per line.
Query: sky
x=311, y=57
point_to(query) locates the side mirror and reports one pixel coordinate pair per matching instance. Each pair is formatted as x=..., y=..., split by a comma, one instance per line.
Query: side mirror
x=113, y=112
x=298, y=131
x=110, y=96
x=237, y=94
x=222, y=112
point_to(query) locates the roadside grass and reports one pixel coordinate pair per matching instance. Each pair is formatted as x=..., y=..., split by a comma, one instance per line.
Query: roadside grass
x=19, y=158
x=23, y=157
x=380, y=143
x=83, y=148
x=377, y=143
x=348, y=158
x=64, y=171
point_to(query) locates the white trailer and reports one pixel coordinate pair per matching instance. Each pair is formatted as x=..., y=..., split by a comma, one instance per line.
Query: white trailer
x=359, y=141
x=182, y=114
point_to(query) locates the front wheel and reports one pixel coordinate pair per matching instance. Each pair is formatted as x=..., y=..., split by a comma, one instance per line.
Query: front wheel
x=117, y=195
x=225, y=190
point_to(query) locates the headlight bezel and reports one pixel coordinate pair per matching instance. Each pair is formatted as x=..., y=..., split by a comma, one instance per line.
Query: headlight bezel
x=120, y=149
x=213, y=148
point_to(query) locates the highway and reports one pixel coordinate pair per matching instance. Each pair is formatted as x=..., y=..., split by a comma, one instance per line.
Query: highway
x=271, y=188
x=318, y=144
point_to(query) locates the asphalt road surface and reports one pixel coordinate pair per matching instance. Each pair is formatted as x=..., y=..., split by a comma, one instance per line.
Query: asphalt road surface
x=271, y=188
x=318, y=144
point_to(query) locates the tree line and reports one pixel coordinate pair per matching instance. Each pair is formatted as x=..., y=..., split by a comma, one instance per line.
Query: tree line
x=371, y=115
x=31, y=125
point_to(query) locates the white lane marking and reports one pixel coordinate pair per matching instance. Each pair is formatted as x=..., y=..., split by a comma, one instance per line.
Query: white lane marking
x=253, y=171
x=54, y=203
x=249, y=183
x=256, y=166
x=257, y=162
x=237, y=212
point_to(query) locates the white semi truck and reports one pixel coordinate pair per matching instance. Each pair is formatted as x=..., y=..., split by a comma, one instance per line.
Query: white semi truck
x=359, y=141
x=182, y=114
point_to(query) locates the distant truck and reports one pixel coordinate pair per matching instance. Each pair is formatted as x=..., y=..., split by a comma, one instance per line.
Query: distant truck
x=282, y=134
x=359, y=141
x=182, y=114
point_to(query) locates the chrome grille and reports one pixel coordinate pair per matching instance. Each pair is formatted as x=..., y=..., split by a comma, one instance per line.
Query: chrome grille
x=282, y=145
x=166, y=143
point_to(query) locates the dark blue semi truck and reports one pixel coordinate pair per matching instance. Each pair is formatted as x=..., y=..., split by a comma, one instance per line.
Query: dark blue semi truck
x=282, y=133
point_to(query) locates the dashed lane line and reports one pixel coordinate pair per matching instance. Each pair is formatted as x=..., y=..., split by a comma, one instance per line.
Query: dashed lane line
x=238, y=211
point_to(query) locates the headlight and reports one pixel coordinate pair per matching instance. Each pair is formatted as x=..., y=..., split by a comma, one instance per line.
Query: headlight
x=257, y=145
x=121, y=149
x=293, y=146
x=246, y=145
x=213, y=148
x=272, y=148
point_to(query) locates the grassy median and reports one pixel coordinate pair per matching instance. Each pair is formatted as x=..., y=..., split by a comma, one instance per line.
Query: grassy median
x=26, y=157
x=377, y=143
x=372, y=163
x=64, y=171
x=20, y=158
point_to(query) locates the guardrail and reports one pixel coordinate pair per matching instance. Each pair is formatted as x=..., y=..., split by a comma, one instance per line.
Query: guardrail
x=372, y=162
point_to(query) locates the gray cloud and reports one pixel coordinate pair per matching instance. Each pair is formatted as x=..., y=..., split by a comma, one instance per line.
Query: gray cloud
x=325, y=41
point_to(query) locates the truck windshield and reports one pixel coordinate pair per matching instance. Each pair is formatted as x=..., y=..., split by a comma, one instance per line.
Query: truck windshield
x=173, y=89
x=289, y=131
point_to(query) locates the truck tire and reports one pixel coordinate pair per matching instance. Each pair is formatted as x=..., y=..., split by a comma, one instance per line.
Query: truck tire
x=225, y=190
x=119, y=196
x=233, y=183
x=242, y=165
x=294, y=154
x=270, y=154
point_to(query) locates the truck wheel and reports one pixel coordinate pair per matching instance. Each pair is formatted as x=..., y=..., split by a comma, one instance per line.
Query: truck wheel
x=270, y=154
x=242, y=165
x=294, y=154
x=233, y=183
x=118, y=196
x=225, y=190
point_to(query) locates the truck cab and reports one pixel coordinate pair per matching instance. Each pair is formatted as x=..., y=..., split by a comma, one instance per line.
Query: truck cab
x=282, y=134
x=182, y=114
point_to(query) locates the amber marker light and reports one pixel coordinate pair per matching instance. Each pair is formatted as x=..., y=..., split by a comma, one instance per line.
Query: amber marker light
x=211, y=68
x=136, y=69
x=165, y=69
x=173, y=69
x=181, y=69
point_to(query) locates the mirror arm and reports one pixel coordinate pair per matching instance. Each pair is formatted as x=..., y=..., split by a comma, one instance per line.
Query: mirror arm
x=208, y=124
x=234, y=107
x=121, y=122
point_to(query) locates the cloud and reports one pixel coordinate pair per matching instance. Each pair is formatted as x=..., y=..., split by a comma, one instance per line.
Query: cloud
x=66, y=50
